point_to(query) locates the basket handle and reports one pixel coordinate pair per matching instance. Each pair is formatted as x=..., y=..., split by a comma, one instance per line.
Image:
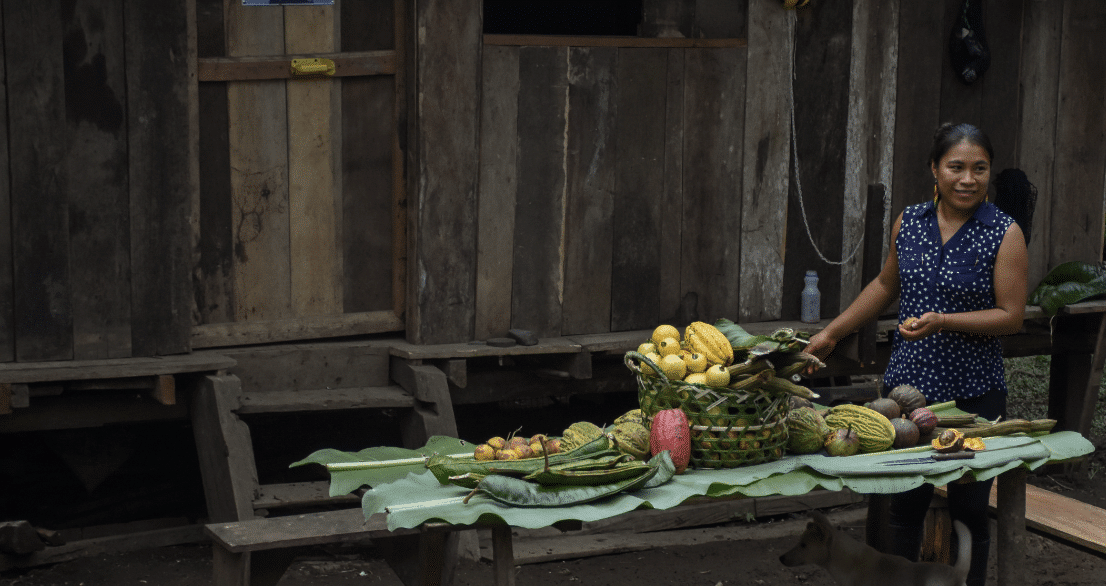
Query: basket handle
x=631, y=356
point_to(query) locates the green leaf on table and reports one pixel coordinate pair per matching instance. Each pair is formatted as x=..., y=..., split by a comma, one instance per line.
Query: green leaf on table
x=348, y=480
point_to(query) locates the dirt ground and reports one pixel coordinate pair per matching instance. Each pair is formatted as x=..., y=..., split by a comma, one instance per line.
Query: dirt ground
x=731, y=561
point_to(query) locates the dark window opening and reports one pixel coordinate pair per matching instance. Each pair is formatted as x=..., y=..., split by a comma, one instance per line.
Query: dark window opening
x=562, y=17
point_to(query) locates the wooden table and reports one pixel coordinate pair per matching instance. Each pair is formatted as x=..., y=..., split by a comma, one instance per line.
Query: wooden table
x=257, y=552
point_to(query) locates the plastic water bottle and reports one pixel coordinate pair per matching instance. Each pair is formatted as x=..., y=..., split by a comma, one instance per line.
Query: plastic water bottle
x=812, y=300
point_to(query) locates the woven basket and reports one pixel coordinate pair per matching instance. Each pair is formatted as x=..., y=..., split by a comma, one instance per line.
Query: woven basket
x=729, y=428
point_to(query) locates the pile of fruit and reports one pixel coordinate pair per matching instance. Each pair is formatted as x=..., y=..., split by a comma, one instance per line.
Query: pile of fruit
x=734, y=387
x=899, y=420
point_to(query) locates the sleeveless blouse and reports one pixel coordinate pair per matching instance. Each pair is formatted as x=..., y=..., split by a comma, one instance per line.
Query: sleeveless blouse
x=951, y=278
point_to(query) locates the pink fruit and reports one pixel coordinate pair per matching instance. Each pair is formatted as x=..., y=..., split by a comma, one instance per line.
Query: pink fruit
x=669, y=431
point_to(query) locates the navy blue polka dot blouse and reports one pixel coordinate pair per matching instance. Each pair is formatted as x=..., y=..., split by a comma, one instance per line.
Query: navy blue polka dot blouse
x=953, y=278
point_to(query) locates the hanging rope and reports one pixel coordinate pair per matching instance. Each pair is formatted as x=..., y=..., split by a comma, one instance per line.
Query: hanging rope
x=795, y=155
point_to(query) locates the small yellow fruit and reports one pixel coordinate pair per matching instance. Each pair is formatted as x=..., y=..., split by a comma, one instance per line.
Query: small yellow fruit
x=523, y=451
x=696, y=362
x=655, y=359
x=537, y=449
x=497, y=443
x=664, y=331
x=718, y=376
x=506, y=455
x=669, y=347
x=696, y=378
x=647, y=348
x=484, y=452
x=673, y=367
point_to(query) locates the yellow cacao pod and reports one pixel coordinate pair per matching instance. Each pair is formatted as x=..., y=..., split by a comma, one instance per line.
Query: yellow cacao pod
x=705, y=339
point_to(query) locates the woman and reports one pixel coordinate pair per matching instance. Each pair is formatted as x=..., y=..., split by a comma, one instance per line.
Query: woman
x=959, y=265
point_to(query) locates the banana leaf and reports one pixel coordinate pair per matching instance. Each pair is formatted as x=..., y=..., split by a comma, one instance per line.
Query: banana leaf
x=1069, y=283
x=781, y=340
x=345, y=481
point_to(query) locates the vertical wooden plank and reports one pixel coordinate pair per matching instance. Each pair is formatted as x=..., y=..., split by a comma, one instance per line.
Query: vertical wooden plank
x=1010, y=487
x=1040, y=67
x=589, y=164
x=538, y=278
x=1076, y=233
x=99, y=205
x=1001, y=90
x=498, y=185
x=720, y=19
x=674, y=306
x=7, y=294
x=368, y=132
x=960, y=102
x=639, y=135
x=314, y=178
x=162, y=134
x=821, y=92
x=871, y=133
x=403, y=41
x=922, y=41
x=258, y=140
x=713, y=151
x=224, y=448
x=213, y=254
x=765, y=159
x=43, y=323
x=443, y=215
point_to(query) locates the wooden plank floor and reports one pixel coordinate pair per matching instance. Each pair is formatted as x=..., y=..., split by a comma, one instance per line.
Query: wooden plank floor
x=1062, y=517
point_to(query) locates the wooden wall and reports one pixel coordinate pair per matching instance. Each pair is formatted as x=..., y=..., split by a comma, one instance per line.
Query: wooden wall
x=94, y=198
x=172, y=191
x=618, y=189
x=300, y=229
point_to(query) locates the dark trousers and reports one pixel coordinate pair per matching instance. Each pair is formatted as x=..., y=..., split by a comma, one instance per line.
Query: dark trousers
x=967, y=502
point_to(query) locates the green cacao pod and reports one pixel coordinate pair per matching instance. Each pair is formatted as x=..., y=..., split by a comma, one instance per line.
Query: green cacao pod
x=632, y=438
x=875, y=431
x=806, y=431
x=578, y=434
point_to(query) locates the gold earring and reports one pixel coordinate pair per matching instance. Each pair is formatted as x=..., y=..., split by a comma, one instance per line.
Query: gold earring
x=935, y=193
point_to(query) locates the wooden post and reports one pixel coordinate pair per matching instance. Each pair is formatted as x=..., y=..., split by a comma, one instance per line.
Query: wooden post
x=224, y=448
x=433, y=412
x=1075, y=374
x=1011, y=527
x=504, y=555
x=873, y=257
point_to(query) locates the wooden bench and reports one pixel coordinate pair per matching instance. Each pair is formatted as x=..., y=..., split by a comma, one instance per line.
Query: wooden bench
x=1059, y=517
x=257, y=552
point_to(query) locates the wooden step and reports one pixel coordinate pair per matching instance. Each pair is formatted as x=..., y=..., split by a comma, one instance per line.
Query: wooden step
x=341, y=526
x=324, y=400
x=301, y=494
x=1060, y=517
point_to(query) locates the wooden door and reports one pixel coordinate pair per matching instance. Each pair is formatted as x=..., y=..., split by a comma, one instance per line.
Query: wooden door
x=299, y=227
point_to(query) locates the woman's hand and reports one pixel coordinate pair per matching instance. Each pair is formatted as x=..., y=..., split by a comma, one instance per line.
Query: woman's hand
x=820, y=345
x=917, y=328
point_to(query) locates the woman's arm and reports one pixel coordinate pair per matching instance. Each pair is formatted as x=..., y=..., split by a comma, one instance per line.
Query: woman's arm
x=1011, y=272
x=876, y=297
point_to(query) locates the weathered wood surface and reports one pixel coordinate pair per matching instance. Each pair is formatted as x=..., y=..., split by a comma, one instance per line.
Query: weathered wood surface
x=767, y=151
x=712, y=179
x=314, y=183
x=537, y=280
x=1077, y=221
x=7, y=293
x=823, y=59
x=245, y=68
x=589, y=165
x=444, y=170
x=162, y=173
x=43, y=314
x=637, y=225
x=498, y=188
x=1040, y=48
x=923, y=38
x=97, y=166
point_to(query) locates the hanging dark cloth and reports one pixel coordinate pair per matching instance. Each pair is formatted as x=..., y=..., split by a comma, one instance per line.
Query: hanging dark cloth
x=968, y=50
x=1016, y=196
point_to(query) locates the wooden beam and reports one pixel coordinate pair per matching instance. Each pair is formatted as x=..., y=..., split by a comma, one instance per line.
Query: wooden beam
x=324, y=400
x=74, y=370
x=642, y=42
x=283, y=330
x=350, y=64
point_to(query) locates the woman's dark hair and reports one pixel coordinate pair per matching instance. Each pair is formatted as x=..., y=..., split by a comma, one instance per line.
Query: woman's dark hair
x=949, y=135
